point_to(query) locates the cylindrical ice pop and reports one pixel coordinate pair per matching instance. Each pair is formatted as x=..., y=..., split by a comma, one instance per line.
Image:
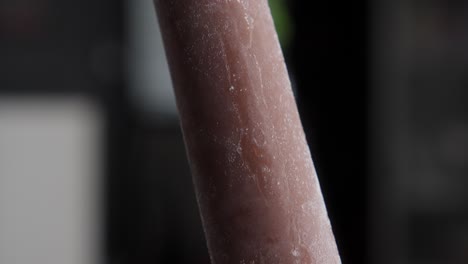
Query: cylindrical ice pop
x=256, y=186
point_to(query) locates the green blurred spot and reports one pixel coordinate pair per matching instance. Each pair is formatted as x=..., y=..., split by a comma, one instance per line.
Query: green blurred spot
x=283, y=22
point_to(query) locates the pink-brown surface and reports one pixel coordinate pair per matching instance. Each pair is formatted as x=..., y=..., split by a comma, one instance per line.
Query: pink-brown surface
x=256, y=186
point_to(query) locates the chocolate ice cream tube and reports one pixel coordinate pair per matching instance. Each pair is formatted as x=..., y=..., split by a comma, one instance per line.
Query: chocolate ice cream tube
x=258, y=193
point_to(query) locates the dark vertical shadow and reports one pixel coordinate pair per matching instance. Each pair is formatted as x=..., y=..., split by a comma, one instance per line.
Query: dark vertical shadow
x=330, y=62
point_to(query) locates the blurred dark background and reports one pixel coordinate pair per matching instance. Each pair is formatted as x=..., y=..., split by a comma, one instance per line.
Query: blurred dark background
x=381, y=88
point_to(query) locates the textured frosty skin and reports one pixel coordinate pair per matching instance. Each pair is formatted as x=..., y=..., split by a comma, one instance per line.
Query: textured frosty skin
x=258, y=193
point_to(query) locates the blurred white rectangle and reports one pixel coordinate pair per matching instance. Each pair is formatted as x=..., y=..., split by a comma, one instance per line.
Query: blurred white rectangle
x=50, y=173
